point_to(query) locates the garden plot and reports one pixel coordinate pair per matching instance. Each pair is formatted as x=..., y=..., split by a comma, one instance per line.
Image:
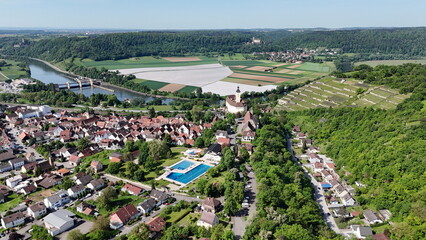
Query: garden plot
x=199, y=75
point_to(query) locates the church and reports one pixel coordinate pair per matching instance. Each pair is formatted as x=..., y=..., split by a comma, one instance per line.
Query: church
x=235, y=104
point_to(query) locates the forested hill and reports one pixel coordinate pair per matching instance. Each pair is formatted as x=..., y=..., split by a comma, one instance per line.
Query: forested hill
x=383, y=149
x=404, y=42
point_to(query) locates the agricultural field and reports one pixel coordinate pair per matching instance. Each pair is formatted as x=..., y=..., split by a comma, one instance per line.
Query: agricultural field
x=12, y=70
x=145, y=62
x=390, y=62
x=218, y=75
x=331, y=92
x=197, y=75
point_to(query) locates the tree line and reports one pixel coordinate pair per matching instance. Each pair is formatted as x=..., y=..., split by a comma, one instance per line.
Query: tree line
x=403, y=42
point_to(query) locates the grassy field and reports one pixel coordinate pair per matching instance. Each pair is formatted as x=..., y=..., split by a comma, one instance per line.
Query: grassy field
x=188, y=89
x=10, y=202
x=140, y=62
x=390, y=62
x=155, y=85
x=328, y=92
x=13, y=71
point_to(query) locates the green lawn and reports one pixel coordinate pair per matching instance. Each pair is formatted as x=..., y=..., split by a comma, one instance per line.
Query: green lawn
x=176, y=216
x=10, y=202
x=121, y=201
x=187, y=219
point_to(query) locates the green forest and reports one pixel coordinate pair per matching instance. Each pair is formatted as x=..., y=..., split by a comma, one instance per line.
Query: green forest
x=286, y=208
x=379, y=43
x=385, y=150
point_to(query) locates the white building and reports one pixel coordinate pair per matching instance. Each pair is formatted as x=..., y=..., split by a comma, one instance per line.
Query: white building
x=57, y=200
x=59, y=221
x=13, y=181
x=36, y=210
x=234, y=103
x=208, y=220
x=13, y=220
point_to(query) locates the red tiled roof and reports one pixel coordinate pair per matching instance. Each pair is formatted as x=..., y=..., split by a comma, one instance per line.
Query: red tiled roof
x=156, y=224
x=132, y=188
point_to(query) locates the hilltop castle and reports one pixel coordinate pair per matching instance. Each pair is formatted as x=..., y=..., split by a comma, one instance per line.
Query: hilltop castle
x=234, y=104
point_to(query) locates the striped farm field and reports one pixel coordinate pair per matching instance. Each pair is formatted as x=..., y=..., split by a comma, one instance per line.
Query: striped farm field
x=182, y=59
x=172, y=87
x=258, y=77
x=188, y=89
x=246, y=81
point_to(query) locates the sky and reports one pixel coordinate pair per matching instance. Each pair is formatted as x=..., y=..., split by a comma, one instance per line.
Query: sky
x=216, y=14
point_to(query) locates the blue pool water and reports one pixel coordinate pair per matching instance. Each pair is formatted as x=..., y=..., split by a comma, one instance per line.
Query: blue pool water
x=189, y=176
x=183, y=165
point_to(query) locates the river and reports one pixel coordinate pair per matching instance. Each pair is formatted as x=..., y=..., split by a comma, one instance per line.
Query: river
x=46, y=74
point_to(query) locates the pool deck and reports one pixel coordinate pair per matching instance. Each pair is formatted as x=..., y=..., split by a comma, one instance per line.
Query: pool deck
x=170, y=170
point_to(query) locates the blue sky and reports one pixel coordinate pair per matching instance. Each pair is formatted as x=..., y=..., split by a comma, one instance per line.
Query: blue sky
x=216, y=14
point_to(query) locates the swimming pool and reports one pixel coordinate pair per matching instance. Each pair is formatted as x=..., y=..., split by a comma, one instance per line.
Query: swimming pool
x=182, y=165
x=190, y=175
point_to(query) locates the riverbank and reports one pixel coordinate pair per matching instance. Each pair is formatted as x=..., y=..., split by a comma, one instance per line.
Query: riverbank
x=108, y=85
x=55, y=67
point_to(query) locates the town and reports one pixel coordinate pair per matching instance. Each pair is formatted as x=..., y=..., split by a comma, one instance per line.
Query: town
x=63, y=170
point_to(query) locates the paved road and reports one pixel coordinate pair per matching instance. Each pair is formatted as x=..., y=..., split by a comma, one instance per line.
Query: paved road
x=245, y=216
x=318, y=194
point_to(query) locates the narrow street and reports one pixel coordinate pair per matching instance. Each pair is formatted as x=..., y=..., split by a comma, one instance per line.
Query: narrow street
x=318, y=194
x=246, y=215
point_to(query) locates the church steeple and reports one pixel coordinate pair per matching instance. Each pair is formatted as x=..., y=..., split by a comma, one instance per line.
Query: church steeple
x=237, y=95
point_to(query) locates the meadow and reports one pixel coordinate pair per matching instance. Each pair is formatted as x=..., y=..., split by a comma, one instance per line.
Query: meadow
x=12, y=72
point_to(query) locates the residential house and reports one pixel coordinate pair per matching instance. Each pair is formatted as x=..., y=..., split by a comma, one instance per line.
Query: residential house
x=156, y=225
x=17, y=163
x=76, y=191
x=28, y=189
x=224, y=142
x=146, y=206
x=96, y=166
x=318, y=167
x=74, y=160
x=221, y=134
x=372, y=217
x=29, y=167
x=57, y=200
x=361, y=232
x=13, y=220
x=295, y=130
x=386, y=214
x=96, y=184
x=6, y=156
x=59, y=221
x=381, y=236
x=248, y=136
x=123, y=215
x=63, y=172
x=83, y=179
x=348, y=200
x=215, y=148
x=208, y=220
x=210, y=205
x=132, y=189
x=50, y=181
x=85, y=208
x=115, y=157
x=13, y=181
x=37, y=210
x=5, y=167
x=160, y=197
